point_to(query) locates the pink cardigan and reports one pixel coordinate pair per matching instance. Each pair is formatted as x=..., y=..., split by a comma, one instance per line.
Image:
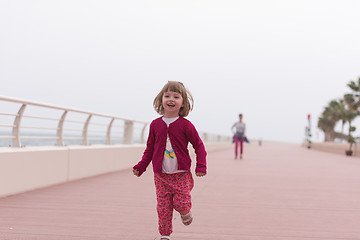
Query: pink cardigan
x=181, y=132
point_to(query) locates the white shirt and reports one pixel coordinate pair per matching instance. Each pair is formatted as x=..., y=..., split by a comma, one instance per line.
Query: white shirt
x=170, y=164
x=239, y=127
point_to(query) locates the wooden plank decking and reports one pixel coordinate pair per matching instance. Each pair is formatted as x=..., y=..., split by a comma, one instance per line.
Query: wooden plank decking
x=278, y=191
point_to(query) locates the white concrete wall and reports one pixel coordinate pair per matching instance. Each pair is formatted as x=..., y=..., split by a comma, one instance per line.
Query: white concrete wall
x=90, y=161
x=25, y=169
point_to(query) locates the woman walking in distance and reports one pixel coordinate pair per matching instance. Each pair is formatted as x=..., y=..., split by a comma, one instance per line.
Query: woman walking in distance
x=239, y=135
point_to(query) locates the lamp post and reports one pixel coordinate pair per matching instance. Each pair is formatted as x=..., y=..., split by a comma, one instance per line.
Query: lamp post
x=308, y=131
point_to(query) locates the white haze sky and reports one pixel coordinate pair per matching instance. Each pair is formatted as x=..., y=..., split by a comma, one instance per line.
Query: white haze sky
x=275, y=61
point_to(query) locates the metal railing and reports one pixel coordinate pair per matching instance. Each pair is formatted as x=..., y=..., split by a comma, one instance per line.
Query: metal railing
x=69, y=126
x=105, y=125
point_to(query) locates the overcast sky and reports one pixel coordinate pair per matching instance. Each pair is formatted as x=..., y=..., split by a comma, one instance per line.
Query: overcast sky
x=273, y=61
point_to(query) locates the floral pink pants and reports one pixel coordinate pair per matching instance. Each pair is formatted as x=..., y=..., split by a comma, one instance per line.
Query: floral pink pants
x=172, y=192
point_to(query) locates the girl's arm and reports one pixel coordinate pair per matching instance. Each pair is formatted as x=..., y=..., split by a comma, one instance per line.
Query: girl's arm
x=199, y=148
x=140, y=168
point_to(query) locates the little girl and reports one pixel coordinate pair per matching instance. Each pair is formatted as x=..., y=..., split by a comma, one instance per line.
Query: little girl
x=166, y=148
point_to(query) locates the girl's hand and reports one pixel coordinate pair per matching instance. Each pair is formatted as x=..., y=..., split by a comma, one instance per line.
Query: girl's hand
x=200, y=174
x=136, y=172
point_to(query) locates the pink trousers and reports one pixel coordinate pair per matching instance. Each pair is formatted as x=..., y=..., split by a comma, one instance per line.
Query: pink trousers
x=238, y=142
x=172, y=192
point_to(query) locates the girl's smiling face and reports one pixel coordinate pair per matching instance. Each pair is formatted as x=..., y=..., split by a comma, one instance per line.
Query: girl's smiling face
x=172, y=102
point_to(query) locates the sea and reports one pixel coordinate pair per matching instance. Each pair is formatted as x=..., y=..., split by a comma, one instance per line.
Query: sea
x=100, y=140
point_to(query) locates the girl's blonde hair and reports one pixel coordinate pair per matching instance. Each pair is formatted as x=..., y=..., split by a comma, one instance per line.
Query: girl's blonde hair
x=174, y=86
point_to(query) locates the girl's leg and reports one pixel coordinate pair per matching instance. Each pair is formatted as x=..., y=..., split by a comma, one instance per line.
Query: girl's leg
x=164, y=204
x=182, y=197
x=236, y=146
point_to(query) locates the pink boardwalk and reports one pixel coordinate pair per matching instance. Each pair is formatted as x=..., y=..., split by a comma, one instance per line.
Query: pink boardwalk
x=278, y=191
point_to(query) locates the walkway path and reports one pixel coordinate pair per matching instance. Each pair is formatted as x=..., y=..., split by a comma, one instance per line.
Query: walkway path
x=277, y=192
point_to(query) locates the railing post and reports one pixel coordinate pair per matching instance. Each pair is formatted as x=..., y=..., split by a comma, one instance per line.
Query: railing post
x=128, y=132
x=59, y=133
x=85, y=131
x=205, y=137
x=16, y=142
x=142, y=138
x=108, y=132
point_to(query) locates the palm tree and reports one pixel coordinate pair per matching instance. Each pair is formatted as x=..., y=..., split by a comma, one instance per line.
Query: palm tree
x=351, y=107
x=327, y=127
x=343, y=116
x=353, y=99
x=345, y=109
x=355, y=86
x=329, y=117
